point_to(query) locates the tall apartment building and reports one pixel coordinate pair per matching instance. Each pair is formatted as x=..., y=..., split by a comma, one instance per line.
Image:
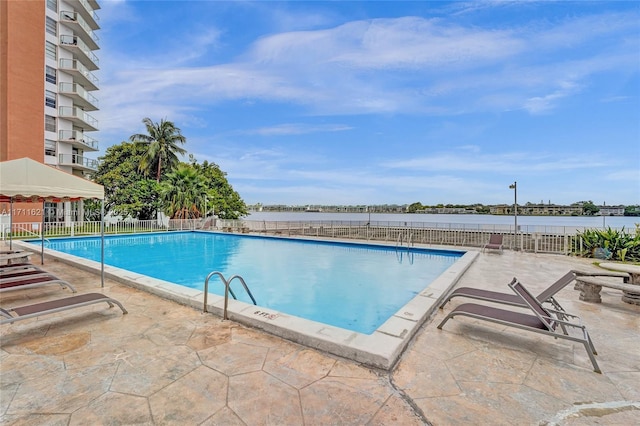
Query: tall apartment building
x=48, y=86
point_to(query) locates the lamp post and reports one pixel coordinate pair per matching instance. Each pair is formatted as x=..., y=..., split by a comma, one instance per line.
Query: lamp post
x=514, y=186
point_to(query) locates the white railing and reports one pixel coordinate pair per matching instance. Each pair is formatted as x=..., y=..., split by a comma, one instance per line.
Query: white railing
x=32, y=230
x=538, y=239
x=531, y=238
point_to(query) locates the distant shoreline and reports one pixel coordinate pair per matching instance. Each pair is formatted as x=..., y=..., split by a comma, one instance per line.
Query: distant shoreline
x=628, y=222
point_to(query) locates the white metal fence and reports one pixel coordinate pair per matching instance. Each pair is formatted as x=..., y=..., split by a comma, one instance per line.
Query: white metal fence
x=539, y=239
x=27, y=230
x=532, y=238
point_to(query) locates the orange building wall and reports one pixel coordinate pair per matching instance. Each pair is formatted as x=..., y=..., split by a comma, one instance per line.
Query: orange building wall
x=22, y=45
x=22, y=42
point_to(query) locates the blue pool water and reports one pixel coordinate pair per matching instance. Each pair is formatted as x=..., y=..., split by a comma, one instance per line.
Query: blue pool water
x=352, y=286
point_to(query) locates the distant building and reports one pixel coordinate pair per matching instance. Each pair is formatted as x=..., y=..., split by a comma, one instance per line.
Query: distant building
x=447, y=210
x=611, y=211
x=538, y=210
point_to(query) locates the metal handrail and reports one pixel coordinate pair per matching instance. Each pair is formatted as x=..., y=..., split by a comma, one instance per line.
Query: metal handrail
x=24, y=230
x=400, y=240
x=227, y=290
x=244, y=284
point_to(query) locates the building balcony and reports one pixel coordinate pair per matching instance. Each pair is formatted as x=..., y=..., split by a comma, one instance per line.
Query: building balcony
x=78, y=140
x=80, y=28
x=80, y=51
x=80, y=96
x=78, y=117
x=78, y=162
x=80, y=73
x=84, y=8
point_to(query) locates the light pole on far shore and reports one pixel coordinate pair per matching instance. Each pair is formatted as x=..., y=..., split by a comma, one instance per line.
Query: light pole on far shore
x=514, y=186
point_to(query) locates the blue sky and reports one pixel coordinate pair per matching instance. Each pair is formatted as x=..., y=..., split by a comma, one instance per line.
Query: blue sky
x=330, y=102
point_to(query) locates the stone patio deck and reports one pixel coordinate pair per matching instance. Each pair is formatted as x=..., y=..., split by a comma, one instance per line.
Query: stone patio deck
x=167, y=364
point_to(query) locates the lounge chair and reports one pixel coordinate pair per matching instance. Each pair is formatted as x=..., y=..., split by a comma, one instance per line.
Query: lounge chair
x=16, y=267
x=495, y=242
x=13, y=274
x=543, y=321
x=38, y=280
x=58, y=305
x=513, y=299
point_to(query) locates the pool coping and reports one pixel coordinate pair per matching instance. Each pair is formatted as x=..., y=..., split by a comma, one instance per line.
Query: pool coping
x=381, y=349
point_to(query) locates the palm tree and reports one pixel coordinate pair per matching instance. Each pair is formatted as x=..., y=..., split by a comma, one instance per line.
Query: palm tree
x=181, y=193
x=162, y=143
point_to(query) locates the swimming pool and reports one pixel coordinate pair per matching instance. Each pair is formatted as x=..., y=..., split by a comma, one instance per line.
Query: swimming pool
x=329, y=275
x=352, y=286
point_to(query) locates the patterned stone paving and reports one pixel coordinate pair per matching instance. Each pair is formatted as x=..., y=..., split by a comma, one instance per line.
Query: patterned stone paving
x=167, y=364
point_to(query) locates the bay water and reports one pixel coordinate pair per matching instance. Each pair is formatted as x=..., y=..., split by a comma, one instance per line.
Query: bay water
x=601, y=222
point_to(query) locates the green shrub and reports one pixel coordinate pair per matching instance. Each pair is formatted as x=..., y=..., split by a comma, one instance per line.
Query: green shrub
x=610, y=244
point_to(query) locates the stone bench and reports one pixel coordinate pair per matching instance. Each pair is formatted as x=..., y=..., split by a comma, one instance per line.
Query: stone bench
x=590, y=287
x=14, y=256
x=625, y=277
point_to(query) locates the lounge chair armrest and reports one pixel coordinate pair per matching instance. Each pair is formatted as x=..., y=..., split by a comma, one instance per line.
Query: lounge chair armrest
x=557, y=307
x=564, y=322
x=563, y=313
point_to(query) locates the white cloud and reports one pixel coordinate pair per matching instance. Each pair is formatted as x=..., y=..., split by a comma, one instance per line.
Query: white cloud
x=454, y=81
x=344, y=70
x=295, y=129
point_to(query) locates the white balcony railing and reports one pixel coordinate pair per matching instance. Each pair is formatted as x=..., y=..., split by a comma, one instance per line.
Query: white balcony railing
x=81, y=96
x=86, y=10
x=81, y=74
x=78, y=161
x=79, y=117
x=76, y=22
x=80, y=49
x=78, y=139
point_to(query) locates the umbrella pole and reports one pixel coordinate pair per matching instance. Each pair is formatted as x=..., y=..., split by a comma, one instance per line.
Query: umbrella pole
x=11, y=223
x=42, y=235
x=102, y=243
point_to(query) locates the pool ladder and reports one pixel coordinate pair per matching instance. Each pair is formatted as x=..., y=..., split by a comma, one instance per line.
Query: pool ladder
x=400, y=241
x=400, y=244
x=227, y=290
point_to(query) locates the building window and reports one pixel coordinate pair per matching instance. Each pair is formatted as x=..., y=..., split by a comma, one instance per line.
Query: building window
x=50, y=51
x=51, y=75
x=53, y=212
x=49, y=123
x=49, y=147
x=53, y=5
x=50, y=98
x=52, y=26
